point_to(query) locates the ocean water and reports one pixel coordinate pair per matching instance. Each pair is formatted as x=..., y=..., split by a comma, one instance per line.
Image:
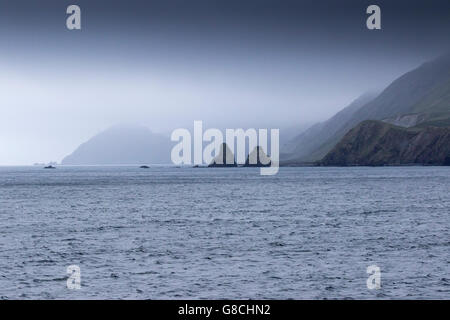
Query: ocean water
x=175, y=233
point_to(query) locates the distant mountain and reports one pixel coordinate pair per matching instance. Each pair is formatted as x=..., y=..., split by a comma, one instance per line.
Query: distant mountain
x=420, y=97
x=315, y=142
x=287, y=135
x=376, y=143
x=122, y=144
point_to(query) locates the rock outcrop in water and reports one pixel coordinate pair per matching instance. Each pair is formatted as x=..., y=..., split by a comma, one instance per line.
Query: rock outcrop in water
x=376, y=143
x=257, y=158
x=225, y=158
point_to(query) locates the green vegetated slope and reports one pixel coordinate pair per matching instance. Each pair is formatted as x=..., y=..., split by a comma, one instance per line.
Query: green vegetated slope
x=419, y=98
x=376, y=143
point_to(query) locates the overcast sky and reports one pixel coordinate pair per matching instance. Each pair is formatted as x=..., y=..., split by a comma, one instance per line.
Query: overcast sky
x=167, y=63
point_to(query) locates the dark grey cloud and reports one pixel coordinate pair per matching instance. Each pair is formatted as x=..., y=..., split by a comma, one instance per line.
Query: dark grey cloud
x=167, y=63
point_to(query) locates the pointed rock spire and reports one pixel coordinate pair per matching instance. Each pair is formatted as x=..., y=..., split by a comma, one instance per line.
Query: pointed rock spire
x=225, y=158
x=257, y=158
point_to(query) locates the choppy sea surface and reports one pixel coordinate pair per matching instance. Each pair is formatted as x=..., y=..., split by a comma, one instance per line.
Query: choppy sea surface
x=175, y=233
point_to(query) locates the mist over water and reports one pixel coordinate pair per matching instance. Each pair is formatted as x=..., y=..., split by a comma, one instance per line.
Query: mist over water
x=113, y=92
x=191, y=233
x=164, y=64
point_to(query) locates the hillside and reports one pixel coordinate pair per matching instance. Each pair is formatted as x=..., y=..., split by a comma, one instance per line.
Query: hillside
x=420, y=97
x=376, y=143
x=313, y=143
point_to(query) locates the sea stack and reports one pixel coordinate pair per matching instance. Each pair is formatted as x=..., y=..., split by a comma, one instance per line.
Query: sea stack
x=257, y=158
x=225, y=158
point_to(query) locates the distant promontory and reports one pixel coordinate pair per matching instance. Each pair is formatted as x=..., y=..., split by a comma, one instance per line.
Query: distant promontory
x=122, y=144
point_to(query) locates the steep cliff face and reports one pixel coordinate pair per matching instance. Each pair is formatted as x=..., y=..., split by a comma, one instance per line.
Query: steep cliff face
x=420, y=97
x=376, y=143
